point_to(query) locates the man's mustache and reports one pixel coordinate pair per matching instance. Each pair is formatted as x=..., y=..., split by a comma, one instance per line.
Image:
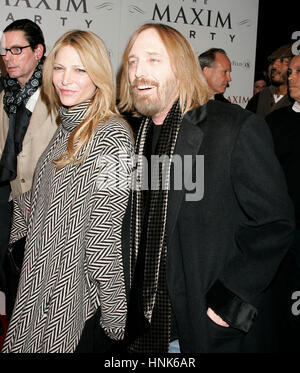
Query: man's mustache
x=275, y=71
x=145, y=82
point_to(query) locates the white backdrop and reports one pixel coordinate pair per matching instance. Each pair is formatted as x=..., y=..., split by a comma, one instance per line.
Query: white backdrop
x=227, y=24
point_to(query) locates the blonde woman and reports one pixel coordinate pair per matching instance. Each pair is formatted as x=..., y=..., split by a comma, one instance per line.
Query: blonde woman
x=71, y=296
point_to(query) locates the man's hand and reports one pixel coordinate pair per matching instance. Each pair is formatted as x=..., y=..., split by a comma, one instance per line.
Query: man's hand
x=216, y=319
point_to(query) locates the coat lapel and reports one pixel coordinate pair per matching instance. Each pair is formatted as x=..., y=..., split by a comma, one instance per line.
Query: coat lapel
x=38, y=118
x=4, y=120
x=188, y=142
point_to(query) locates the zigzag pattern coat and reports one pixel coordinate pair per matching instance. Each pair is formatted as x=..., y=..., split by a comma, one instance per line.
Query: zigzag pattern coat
x=73, y=263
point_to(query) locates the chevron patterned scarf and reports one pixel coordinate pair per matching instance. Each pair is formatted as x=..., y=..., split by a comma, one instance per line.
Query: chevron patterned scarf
x=71, y=118
x=148, y=231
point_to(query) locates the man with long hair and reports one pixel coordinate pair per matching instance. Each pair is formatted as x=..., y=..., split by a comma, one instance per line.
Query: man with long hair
x=209, y=218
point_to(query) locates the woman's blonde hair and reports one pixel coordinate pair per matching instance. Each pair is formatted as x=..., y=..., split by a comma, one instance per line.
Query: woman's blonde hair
x=96, y=61
x=193, y=89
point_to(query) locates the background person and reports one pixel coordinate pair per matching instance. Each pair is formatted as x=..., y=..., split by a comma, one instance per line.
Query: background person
x=275, y=96
x=284, y=126
x=260, y=82
x=25, y=130
x=216, y=68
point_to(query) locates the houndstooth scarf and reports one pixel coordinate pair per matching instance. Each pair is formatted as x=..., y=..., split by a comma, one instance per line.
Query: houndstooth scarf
x=155, y=300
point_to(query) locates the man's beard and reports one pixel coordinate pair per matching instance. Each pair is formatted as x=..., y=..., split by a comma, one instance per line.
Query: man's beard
x=279, y=82
x=154, y=104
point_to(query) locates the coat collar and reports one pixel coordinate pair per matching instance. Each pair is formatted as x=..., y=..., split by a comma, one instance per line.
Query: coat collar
x=188, y=142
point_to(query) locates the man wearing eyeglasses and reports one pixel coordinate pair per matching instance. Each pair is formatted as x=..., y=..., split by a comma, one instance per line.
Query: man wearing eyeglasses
x=25, y=130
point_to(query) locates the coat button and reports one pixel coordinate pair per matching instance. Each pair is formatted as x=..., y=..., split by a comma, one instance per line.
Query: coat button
x=22, y=180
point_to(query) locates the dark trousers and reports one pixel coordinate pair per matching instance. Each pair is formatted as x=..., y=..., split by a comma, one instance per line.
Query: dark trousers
x=10, y=261
x=5, y=224
x=276, y=329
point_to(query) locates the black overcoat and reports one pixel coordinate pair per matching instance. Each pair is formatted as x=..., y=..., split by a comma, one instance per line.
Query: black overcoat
x=224, y=248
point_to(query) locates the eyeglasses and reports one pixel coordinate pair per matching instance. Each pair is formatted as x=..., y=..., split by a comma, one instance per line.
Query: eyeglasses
x=13, y=50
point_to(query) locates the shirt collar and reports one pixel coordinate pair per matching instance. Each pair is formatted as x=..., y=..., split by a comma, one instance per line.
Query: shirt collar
x=296, y=107
x=33, y=100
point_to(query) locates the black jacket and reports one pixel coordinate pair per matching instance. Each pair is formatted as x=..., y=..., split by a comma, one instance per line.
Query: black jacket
x=224, y=248
x=285, y=129
x=263, y=103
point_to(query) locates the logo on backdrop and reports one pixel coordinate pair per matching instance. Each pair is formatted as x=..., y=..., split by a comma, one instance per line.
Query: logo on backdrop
x=240, y=100
x=194, y=17
x=203, y=22
x=241, y=64
x=68, y=6
x=199, y=17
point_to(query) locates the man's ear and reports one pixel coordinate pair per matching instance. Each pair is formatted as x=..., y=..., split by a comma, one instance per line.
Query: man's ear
x=39, y=51
x=205, y=70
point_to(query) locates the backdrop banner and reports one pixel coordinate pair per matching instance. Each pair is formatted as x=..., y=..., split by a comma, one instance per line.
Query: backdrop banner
x=227, y=24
